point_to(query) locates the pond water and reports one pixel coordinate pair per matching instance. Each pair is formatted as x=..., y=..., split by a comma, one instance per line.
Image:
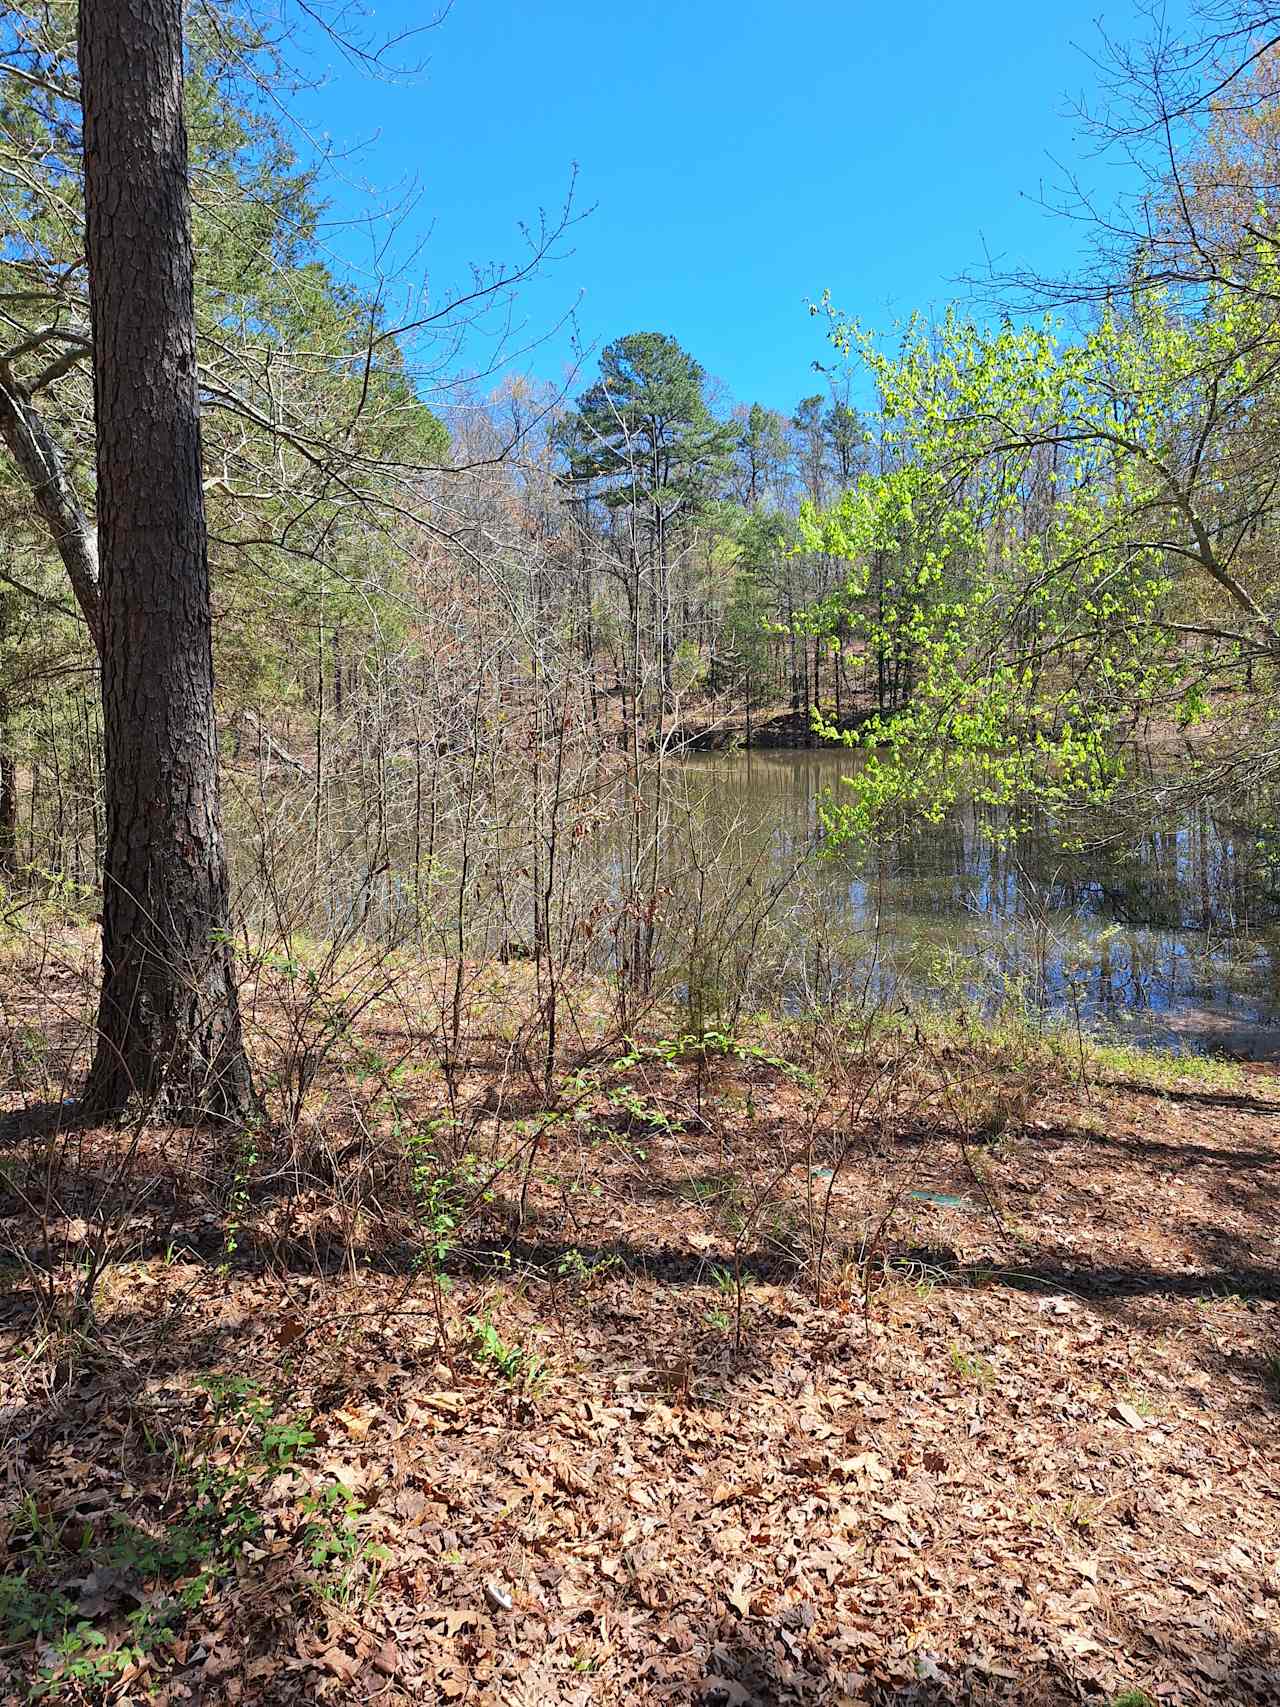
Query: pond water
x=1167, y=934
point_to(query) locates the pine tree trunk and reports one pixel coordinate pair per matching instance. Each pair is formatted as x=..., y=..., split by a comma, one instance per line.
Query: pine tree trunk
x=168, y=1022
x=8, y=763
x=8, y=793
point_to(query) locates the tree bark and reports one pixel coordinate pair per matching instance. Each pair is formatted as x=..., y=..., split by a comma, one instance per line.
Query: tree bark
x=35, y=451
x=8, y=762
x=169, y=1033
x=8, y=793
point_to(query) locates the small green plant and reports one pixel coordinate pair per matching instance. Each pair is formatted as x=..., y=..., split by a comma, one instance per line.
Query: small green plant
x=244, y=1163
x=722, y=1316
x=1141, y=1401
x=442, y=1191
x=705, y=1044
x=282, y=1442
x=1132, y=1698
x=198, y=1544
x=1081, y=1513
x=574, y=1267
x=30, y=1613
x=724, y=1189
x=86, y=1658
x=644, y=1111
x=210, y=1523
x=348, y=1566
x=979, y=1370
x=233, y=1397
x=512, y=1362
x=278, y=1441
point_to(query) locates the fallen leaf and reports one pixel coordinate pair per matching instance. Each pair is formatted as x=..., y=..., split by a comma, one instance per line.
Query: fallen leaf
x=387, y=1659
x=340, y=1664
x=1121, y=1412
x=459, y=1618
x=736, y=1594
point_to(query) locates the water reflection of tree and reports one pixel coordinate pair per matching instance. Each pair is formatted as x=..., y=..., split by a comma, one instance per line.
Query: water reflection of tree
x=1143, y=915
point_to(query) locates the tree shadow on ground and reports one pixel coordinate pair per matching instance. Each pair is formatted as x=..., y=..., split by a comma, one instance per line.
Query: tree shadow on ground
x=773, y=1669
x=676, y=1266
x=138, y=1213
x=1187, y=1095
x=806, y=1654
x=762, y=1661
x=1166, y=1152
x=140, y=1530
x=42, y=1120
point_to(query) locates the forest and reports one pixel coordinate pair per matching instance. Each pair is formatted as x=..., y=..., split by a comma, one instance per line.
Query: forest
x=639, y=1030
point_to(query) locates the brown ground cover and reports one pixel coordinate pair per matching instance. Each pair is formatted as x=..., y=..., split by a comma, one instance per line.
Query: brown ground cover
x=711, y=1404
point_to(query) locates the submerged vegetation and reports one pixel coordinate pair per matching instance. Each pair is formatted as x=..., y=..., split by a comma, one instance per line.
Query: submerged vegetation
x=509, y=1192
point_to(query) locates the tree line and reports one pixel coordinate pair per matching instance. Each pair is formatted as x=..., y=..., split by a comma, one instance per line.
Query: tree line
x=988, y=549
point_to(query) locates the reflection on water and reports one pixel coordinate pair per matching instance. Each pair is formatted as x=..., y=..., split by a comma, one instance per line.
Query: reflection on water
x=1169, y=933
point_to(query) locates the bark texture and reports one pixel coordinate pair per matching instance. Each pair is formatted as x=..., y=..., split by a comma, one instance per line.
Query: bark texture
x=35, y=450
x=8, y=797
x=169, y=1022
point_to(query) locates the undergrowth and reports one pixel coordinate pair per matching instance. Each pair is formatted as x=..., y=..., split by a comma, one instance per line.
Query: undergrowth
x=93, y=1599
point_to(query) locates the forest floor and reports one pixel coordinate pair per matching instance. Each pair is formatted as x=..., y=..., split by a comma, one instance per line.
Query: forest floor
x=948, y=1382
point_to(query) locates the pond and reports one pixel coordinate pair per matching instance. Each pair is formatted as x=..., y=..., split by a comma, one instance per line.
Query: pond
x=1166, y=934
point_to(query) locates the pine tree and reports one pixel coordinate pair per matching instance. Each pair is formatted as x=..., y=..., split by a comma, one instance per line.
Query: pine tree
x=168, y=1020
x=643, y=435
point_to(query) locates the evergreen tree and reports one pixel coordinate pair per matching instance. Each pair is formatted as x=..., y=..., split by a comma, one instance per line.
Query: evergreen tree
x=168, y=1021
x=845, y=437
x=812, y=439
x=643, y=434
x=762, y=454
x=643, y=441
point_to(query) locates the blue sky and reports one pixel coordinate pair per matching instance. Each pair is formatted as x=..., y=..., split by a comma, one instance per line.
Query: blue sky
x=741, y=157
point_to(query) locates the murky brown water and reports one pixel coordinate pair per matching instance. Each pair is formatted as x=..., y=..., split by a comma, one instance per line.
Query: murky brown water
x=1164, y=933
x=1168, y=934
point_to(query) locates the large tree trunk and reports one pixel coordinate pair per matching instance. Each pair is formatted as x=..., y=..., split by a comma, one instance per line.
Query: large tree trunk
x=168, y=1022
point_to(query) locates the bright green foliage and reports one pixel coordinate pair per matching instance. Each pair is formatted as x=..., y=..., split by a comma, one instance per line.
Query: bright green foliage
x=512, y=1362
x=1054, y=533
